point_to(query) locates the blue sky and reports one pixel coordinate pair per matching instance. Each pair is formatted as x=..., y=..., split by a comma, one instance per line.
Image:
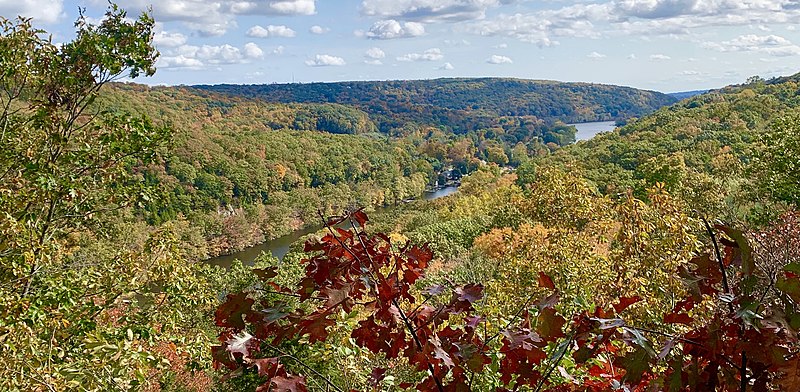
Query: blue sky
x=665, y=45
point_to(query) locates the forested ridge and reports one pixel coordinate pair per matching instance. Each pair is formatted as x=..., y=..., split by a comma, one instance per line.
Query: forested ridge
x=465, y=104
x=243, y=170
x=662, y=256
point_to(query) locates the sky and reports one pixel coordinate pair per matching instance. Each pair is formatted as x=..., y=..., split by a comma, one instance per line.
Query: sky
x=663, y=45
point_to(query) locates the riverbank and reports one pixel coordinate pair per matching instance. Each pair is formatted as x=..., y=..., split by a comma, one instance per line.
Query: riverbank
x=280, y=246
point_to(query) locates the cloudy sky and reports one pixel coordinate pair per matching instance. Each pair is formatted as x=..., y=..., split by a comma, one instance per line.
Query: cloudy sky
x=665, y=45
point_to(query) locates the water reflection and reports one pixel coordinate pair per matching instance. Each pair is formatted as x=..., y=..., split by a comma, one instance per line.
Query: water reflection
x=588, y=130
x=280, y=246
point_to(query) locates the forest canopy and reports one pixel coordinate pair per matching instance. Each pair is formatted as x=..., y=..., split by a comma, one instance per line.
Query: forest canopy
x=664, y=255
x=467, y=104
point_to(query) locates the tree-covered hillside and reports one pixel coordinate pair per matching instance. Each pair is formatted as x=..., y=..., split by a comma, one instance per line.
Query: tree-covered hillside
x=243, y=171
x=662, y=256
x=463, y=105
x=727, y=152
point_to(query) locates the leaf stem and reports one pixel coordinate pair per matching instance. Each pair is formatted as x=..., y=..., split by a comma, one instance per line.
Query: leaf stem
x=725, y=284
x=309, y=368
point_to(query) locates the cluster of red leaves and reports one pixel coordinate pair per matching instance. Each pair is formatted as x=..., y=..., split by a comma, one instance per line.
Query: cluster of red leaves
x=743, y=345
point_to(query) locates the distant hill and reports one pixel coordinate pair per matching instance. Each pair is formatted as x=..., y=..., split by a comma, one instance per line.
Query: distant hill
x=709, y=141
x=464, y=104
x=687, y=94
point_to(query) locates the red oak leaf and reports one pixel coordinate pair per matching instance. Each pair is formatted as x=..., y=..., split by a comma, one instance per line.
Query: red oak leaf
x=289, y=384
x=360, y=217
x=230, y=314
x=678, y=318
x=546, y=281
x=625, y=302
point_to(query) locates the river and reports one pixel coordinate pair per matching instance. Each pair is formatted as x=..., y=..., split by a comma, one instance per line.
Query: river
x=588, y=130
x=280, y=246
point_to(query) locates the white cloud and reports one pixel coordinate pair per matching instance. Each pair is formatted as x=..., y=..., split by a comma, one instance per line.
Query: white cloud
x=656, y=9
x=201, y=57
x=271, y=31
x=541, y=28
x=497, y=59
x=447, y=67
x=430, y=10
x=214, y=17
x=432, y=54
x=659, y=56
x=457, y=42
x=279, y=50
x=389, y=29
x=325, y=60
x=773, y=45
x=252, y=51
x=612, y=18
x=281, y=7
x=501, y=46
x=374, y=53
x=180, y=61
x=222, y=54
x=596, y=56
x=318, y=30
x=47, y=11
x=163, y=39
x=631, y=57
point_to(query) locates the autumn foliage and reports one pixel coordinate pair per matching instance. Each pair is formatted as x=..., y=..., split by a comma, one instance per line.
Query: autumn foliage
x=724, y=335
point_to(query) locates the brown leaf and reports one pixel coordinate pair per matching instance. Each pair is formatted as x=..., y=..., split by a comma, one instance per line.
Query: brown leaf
x=360, y=217
x=625, y=302
x=545, y=281
x=231, y=313
x=790, y=378
x=267, y=367
x=549, y=324
x=289, y=384
x=266, y=273
x=377, y=375
x=678, y=318
x=470, y=293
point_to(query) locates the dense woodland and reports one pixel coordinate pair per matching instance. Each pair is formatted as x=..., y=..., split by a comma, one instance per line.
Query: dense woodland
x=463, y=105
x=662, y=256
x=243, y=170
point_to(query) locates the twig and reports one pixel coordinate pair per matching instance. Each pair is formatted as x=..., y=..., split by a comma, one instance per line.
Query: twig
x=265, y=291
x=309, y=368
x=725, y=284
x=555, y=364
x=513, y=318
x=680, y=339
x=402, y=314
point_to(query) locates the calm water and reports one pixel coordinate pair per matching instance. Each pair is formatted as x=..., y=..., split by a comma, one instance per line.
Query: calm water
x=280, y=246
x=588, y=130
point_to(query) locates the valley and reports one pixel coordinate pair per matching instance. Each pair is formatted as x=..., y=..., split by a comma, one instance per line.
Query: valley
x=439, y=234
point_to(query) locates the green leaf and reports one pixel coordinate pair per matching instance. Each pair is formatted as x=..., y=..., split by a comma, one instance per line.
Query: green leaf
x=792, y=267
x=636, y=364
x=641, y=341
x=790, y=287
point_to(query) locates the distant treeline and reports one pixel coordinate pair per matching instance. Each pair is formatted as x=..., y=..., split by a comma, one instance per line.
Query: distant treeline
x=462, y=105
